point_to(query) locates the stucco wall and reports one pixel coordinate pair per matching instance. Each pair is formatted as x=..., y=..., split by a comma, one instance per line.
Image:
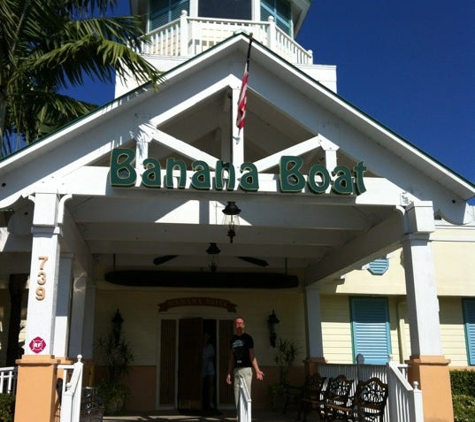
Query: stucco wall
x=139, y=310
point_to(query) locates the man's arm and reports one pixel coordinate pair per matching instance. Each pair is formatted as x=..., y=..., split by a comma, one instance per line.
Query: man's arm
x=259, y=373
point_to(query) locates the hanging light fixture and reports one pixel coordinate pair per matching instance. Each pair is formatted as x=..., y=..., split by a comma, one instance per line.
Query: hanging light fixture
x=213, y=252
x=272, y=321
x=231, y=219
x=117, y=322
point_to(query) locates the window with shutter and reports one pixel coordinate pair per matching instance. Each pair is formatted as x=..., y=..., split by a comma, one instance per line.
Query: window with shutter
x=164, y=11
x=281, y=11
x=370, y=329
x=469, y=321
x=225, y=9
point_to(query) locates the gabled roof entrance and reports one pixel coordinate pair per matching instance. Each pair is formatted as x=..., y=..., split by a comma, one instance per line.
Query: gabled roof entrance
x=190, y=118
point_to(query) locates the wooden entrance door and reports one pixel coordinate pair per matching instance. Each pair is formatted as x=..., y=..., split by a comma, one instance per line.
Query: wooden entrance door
x=190, y=346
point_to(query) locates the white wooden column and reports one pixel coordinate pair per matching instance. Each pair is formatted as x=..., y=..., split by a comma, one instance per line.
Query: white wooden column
x=426, y=363
x=141, y=153
x=60, y=348
x=423, y=305
x=89, y=311
x=77, y=315
x=314, y=321
x=41, y=314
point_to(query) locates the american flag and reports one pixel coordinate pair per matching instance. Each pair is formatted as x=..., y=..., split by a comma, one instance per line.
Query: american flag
x=242, y=101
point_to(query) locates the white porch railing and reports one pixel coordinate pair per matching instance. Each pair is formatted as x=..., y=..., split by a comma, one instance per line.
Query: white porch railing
x=71, y=391
x=404, y=402
x=8, y=380
x=187, y=36
x=245, y=403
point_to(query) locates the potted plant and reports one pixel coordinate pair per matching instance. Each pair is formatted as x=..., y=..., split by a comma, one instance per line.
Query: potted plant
x=285, y=355
x=117, y=356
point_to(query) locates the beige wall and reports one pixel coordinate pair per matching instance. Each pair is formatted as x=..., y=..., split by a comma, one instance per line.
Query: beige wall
x=454, y=252
x=139, y=308
x=452, y=331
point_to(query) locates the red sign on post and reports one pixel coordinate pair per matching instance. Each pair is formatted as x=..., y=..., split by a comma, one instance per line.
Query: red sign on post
x=37, y=345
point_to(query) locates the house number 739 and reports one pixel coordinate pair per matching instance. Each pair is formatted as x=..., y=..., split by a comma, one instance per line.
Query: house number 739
x=41, y=279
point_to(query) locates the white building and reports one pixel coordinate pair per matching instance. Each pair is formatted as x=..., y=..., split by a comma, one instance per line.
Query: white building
x=118, y=209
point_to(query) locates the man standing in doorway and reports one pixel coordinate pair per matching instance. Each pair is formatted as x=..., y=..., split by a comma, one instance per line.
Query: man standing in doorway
x=242, y=359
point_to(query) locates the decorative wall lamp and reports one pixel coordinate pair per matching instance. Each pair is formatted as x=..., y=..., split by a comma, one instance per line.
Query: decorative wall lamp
x=272, y=321
x=231, y=219
x=213, y=252
x=117, y=322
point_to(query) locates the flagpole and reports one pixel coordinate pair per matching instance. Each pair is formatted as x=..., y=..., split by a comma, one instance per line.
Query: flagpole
x=242, y=101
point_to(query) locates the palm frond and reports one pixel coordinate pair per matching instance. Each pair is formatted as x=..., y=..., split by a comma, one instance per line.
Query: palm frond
x=49, y=45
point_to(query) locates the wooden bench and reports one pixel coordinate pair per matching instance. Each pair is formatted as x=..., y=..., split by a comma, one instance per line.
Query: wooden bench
x=367, y=405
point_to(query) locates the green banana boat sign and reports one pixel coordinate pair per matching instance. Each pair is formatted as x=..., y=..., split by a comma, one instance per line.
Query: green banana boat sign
x=341, y=180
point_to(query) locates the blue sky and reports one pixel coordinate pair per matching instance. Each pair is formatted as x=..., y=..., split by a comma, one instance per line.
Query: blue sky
x=409, y=64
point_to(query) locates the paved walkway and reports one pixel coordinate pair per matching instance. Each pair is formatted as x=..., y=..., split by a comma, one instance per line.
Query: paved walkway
x=223, y=416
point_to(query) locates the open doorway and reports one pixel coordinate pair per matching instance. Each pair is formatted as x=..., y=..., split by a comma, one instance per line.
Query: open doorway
x=197, y=369
x=180, y=381
x=209, y=367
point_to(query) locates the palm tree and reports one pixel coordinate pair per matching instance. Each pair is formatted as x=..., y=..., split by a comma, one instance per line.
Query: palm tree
x=49, y=45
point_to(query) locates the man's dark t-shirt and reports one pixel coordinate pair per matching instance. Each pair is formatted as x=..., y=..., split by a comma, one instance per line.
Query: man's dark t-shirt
x=240, y=346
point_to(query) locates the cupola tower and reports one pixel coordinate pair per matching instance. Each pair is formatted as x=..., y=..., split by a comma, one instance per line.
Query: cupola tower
x=181, y=29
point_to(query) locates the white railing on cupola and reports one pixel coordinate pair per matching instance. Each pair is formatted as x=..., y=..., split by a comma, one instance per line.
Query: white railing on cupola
x=187, y=36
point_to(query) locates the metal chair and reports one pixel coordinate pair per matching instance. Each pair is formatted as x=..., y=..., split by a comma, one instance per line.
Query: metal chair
x=312, y=395
x=367, y=405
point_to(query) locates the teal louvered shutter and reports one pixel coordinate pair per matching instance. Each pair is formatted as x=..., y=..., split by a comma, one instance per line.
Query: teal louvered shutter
x=378, y=266
x=469, y=320
x=370, y=329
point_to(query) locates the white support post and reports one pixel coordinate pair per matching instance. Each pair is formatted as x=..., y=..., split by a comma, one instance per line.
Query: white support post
x=88, y=335
x=44, y=270
x=418, y=415
x=423, y=305
x=141, y=154
x=271, y=36
x=77, y=315
x=184, y=33
x=62, y=307
x=314, y=322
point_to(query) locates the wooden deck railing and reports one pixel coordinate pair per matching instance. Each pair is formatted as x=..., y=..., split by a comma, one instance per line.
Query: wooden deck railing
x=187, y=36
x=71, y=391
x=8, y=379
x=406, y=401
x=245, y=403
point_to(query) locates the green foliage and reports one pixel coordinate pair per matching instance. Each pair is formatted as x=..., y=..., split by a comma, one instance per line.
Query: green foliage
x=463, y=382
x=463, y=395
x=117, y=356
x=284, y=358
x=114, y=397
x=50, y=45
x=285, y=355
x=7, y=407
x=464, y=408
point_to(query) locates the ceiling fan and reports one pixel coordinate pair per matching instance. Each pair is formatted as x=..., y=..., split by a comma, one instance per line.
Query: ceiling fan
x=214, y=250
